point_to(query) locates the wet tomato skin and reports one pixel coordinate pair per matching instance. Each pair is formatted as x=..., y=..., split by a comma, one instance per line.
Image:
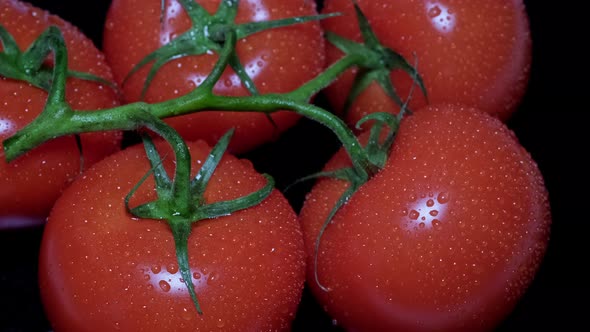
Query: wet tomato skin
x=103, y=270
x=446, y=237
x=30, y=184
x=475, y=53
x=277, y=60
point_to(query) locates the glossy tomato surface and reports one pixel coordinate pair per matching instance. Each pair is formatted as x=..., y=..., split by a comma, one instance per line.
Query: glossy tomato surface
x=447, y=237
x=30, y=184
x=103, y=270
x=277, y=60
x=472, y=52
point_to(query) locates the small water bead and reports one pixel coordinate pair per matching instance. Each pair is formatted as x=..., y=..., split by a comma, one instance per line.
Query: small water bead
x=172, y=268
x=156, y=269
x=443, y=198
x=165, y=286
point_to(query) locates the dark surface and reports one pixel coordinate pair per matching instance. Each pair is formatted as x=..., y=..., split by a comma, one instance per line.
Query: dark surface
x=551, y=124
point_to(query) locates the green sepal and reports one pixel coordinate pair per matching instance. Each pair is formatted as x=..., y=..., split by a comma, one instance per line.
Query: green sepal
x=341, y=174
x=351, y=190
x=207, y=34
x=200, y=181
x=378, y=150
x=29, y=66
x=181, y=211
x=225, y=208
x=246, y=29
x=363, y=79
x=180, y=232
x=379, y=62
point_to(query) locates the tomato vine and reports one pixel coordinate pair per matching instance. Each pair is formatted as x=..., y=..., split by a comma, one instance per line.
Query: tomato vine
x=180, y=200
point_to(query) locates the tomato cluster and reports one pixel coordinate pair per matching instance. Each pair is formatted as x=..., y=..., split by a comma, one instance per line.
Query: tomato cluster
x=447, y=236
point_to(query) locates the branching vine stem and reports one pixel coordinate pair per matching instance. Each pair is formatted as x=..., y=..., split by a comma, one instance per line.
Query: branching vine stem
x=180, y=199
x=124, y=117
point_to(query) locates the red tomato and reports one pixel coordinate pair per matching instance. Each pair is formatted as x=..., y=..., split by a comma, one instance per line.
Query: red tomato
x=277, y=60
x=472, y=52
x=103, y=270
x=446, y=237
x=30, y=184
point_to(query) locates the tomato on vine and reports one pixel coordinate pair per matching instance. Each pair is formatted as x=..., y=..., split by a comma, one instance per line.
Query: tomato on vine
x=30, y=185
x=274, y=60
x=102, y=269
x=446, y=237
x=475, y=53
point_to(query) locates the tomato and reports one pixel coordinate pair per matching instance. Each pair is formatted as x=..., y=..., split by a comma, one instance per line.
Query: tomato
x=446, y=237
x=103, y=270
x=277, y=60
x=475, y=53
x=30, y=184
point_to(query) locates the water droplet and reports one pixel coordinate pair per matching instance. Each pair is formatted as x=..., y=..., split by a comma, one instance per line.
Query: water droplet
x=156, y=269
x=434, y=11
x=164, y=285
x=197, y=275
x=220, y=323
x=414, y=215
x=421, y=225
x=434, y=213
x=212, y=278
x=172, y=268
x=146, y=276
x=436, y=223
x=430, y=203
x=412, y=197
x=443, y=198
x=186, y=314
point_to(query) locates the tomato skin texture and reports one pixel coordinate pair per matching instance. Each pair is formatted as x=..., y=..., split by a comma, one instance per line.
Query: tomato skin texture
x=30, y=184
x=470, y=52
x=446, y=237
x=278, y=60
x=102, y=270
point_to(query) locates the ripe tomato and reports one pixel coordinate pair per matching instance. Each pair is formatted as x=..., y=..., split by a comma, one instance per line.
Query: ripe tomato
x=446, y=237
x=30, y=184
x=277, y=60
x=475, y=53
x=103, y=270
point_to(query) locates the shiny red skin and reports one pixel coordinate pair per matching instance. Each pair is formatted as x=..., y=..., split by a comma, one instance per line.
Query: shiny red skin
x=30, y=184
x=447, y=237
x=103, y=270
x=471, y=52
x=278, y=60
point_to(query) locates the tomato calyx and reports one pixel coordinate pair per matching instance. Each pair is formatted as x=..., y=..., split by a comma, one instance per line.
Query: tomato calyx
x=30, y=66
x=378, y=66
x=180, y=201
x=207, y=34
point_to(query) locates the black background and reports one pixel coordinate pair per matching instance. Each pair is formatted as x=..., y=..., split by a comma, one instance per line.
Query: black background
x=551, y=123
